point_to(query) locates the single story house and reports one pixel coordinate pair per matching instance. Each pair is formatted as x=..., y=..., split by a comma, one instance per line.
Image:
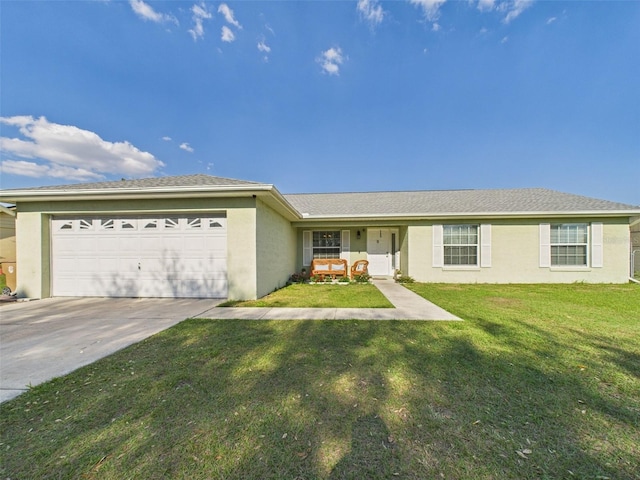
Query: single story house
x=206, y=236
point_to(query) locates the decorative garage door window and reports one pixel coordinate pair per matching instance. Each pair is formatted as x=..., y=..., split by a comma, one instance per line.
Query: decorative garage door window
x=141, y=224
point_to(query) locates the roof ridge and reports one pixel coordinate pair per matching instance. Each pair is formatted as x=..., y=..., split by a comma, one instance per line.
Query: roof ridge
x=432, y=190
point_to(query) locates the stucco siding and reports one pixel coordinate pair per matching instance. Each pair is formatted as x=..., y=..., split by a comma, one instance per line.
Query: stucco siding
x=241, y=253
x=33, y=256
x=275, y=249
x=515, y=256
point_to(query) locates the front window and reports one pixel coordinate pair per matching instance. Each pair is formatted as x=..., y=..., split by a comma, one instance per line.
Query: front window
x=569, y=244
x=460, y=244
x=326, y=244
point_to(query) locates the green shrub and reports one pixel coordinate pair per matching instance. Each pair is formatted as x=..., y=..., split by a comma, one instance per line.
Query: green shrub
x=362, y=278
x=404, y=279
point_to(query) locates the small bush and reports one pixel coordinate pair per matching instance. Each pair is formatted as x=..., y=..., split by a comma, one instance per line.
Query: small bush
x=362, y=278
x=344, y=280
x=404, y=279
x=296, y=278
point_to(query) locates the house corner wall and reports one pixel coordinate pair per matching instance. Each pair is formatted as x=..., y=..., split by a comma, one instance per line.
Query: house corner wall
x=33, y=257
x=241, y=253
x=276, y=248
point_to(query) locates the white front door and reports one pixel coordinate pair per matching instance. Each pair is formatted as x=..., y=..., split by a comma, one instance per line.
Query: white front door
x=379, y=251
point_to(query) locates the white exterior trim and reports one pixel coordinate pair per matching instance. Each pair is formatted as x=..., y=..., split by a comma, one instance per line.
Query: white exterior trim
x=438, y=247
x=485, y=245
x=345, y=245
x=597, y=245
x=545, y=245
x=307, y=247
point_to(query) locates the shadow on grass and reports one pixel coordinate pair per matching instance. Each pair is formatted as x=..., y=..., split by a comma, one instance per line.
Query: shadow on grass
x=336, y=399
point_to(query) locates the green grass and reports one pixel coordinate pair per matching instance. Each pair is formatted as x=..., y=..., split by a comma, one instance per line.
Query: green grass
x=538, y=382
x=353, y=295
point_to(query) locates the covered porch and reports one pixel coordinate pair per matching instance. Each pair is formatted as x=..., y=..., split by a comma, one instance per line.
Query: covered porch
x=383, y=246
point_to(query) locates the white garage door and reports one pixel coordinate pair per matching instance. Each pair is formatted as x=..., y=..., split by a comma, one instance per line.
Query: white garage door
x=161, y=256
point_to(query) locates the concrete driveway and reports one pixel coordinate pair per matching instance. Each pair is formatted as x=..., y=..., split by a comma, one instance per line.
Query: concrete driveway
x=48, y=338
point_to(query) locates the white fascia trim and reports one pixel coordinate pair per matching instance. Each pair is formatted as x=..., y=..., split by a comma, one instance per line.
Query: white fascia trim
x=36, y=195
x=474, y=215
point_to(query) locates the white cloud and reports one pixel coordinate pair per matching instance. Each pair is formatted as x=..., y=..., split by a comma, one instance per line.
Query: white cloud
x=228, y=15
x=65, y=151
x=331, y=60
x=146, y=12
x=200, y=13
x=551, y=20
x=431, y=8
x=166, y=138
x=227, y=35
x=186, y=147
x=486, y=5
x=263, y=47
x=371, y=11
x=35, y=170
x=514, y=8
x=435, y=27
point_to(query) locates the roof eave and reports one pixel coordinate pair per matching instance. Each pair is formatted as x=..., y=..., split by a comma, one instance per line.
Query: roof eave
x=470, y=215
x=266, y=192
x=126, y=193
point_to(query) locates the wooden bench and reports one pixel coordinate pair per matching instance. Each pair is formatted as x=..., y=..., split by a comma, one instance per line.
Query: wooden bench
x=333, y=267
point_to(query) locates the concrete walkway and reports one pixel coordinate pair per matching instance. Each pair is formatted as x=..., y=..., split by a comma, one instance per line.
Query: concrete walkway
x=408, y=306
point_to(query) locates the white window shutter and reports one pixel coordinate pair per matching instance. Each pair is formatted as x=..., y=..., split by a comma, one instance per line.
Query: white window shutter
x=438, y=248
x=345, y=245
x=545, y=245
x=485, y=245
x=597, y=250
x=307, y=247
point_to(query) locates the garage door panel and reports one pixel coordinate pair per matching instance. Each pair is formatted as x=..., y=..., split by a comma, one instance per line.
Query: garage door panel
x=173, y=243
x=130, y=257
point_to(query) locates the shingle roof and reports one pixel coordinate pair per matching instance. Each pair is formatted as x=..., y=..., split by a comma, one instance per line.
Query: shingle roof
x=363, y=204
x=198, y=180
x=527, y=200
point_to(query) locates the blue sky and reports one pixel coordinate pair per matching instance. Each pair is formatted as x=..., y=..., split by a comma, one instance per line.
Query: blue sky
x=325, y=96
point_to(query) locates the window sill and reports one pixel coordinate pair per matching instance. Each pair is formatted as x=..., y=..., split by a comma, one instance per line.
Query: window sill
x=570, y=269
x=466, y=268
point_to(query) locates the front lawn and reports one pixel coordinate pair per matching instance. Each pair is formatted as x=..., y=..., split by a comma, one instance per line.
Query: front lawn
x=303, y=295
x=538, y=382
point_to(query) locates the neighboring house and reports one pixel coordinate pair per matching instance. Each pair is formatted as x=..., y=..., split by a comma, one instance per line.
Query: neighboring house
x=204, y=236
x=635, y=245
x=8, y=247
x=7, y=234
